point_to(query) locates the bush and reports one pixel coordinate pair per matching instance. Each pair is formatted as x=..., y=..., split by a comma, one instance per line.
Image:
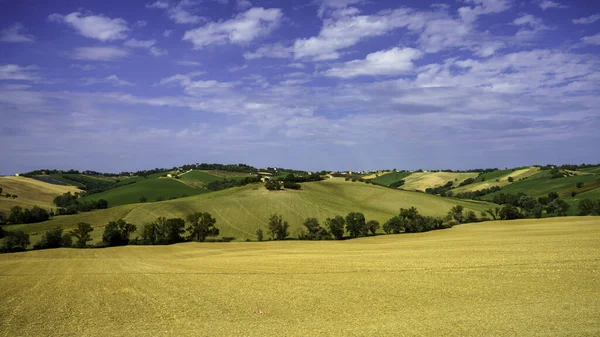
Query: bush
x=273, y=186
x=291, y=185
x=15, y=242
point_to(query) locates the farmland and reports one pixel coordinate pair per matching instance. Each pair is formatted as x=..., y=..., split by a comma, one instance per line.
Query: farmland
x=419, y=181
x=241, y=211
x=524, y=277
x=30, y=192
x=390, y=178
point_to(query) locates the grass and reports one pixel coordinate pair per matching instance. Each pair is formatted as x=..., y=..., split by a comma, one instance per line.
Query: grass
x=241, y=211
x=199, y=178
x=419, y=181
x=502, y=178
x=30, y=192
x=529, y=277
x=389, y=178
x=151, y=187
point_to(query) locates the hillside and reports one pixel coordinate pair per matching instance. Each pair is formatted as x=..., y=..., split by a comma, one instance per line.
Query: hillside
x=30, y=192
x=501, y=278
x=154, y=188
x=498, y=178
x=389, y=178
x=241, y=211
x=420, y=181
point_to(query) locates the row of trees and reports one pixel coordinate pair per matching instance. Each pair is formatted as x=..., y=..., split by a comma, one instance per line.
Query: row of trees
x=20, y=215
x=68, y=203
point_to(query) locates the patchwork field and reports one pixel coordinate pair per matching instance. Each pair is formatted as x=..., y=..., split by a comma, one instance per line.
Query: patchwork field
x=420, y=181
x=241, y=211
x=30, y=192
x=526, y=277
x=498, y=178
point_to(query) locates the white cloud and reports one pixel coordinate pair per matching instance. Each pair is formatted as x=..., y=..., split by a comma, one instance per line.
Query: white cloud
x=187, y=63
x=594, y=39
x=531, y=26
x=15, y=33
x=179, y=13
x=297, y=65
x=158, y=52
x=141, y=23
x=84, y=67
x=244, y=28
x=99, y=53
x=158, y=4
x=243, y=4
x=390, y=62
x=167, y=33
x=94, y=26
x=270, y=50
x=547, y=4
x=196, y=88
x=482, y=7
x=133, y=43
x=113, y=80
x=237, y=68
x=587, y=20
x=16, y=72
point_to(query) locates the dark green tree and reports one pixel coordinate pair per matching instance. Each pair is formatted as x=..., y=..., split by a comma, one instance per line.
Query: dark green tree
x=15, y=242
x=456, y=212
x=356, y=225
x=66, y=240
x=510, y=212
x=336, y=226
x=259, y=234
x=278, y=229
x=52, y=238
x=82, y=234
x=202, y=225
x=117, y=233
x=393, y=226
x=588, y=207
x=143, y=199
x=373, y=226
x=558, y=207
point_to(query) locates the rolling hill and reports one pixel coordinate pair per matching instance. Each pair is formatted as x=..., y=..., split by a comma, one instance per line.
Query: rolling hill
x=420, y=181
x=241, y=211
x=389, y=178
x=30, y=192
x=498, y=178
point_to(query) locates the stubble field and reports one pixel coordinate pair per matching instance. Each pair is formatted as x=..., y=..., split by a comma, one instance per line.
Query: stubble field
x=527, y=277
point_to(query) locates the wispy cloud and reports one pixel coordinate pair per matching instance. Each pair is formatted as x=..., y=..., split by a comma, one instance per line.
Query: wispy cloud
x=96, y=27
x=99, y=53
x=181, y=13
x=243, y=28
x=15, y=33
x=548, y=4
x=16, y=72
x=113, y=80
x=390, y=62
x=594, y=39
x=587, y=20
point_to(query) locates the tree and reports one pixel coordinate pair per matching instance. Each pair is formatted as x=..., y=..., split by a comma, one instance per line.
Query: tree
x=578, y=185
x=82, y=234
x=0, y=190
x=511, y=179
x=456, y=212
x=52, y=238
x=15, y=242
x=491, y=213
x=117, y=233
x=552, y=196
x=143, y=199
x=314, y=230
x=589, y=207
x=273, y=185
x=336, y=226
x=66, y=240
x=393, y=226
x=201, y=226
x=102, y=204
x=278, y=229
x=259, y=234
x=356, y=225
x=174, y=229
x=471, y=217
x=510, y=212
x=558, y=207
x=16, y=215
x=373, y=226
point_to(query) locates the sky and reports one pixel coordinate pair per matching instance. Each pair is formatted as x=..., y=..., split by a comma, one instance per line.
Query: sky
x=319, y=84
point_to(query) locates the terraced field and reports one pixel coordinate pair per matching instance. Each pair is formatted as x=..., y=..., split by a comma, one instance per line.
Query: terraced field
x=525, y=278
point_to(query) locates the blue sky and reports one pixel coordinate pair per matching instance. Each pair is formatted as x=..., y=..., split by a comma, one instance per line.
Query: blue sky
x=323, y=84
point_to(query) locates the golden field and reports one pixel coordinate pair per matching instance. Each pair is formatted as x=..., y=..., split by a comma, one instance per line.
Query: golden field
x=526, y=277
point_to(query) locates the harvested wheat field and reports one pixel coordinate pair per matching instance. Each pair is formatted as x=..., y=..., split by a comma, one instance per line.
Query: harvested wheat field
x=30, y=192
x=525, y=277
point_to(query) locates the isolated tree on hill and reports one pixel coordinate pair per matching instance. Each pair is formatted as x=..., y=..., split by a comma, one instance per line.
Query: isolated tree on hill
x=82, y=234
x=336, y=226
x=373, y=226
x=278, y=229
x=356, y=225
x=117, y=233
x=201, y=226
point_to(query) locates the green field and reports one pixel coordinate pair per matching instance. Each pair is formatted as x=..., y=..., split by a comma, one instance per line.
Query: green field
x=241, y=211
x=199, y=178
x=500, y=178
x=517, y=278
x=152, y=188
x=390, y=178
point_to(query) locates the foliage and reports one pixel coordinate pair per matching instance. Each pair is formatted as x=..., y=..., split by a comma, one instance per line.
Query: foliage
x=467, y=182
x=54, y=238
x=356, y=225
x=589, y=207
x=476, y=195
x=163, y=231
x=373, y=226
x=259, y=234
x=510, y=212
x=273, y=185
x=82, y=234
x=16, y=241
x=201, y=226
x=18, y=215
x=278, y=229
x=291, y=185
x=336, y=226
x=314, y=230
x=143, y=199
x=441, y=190
x=558, y=207
x=456, y=213
x=117, y=233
